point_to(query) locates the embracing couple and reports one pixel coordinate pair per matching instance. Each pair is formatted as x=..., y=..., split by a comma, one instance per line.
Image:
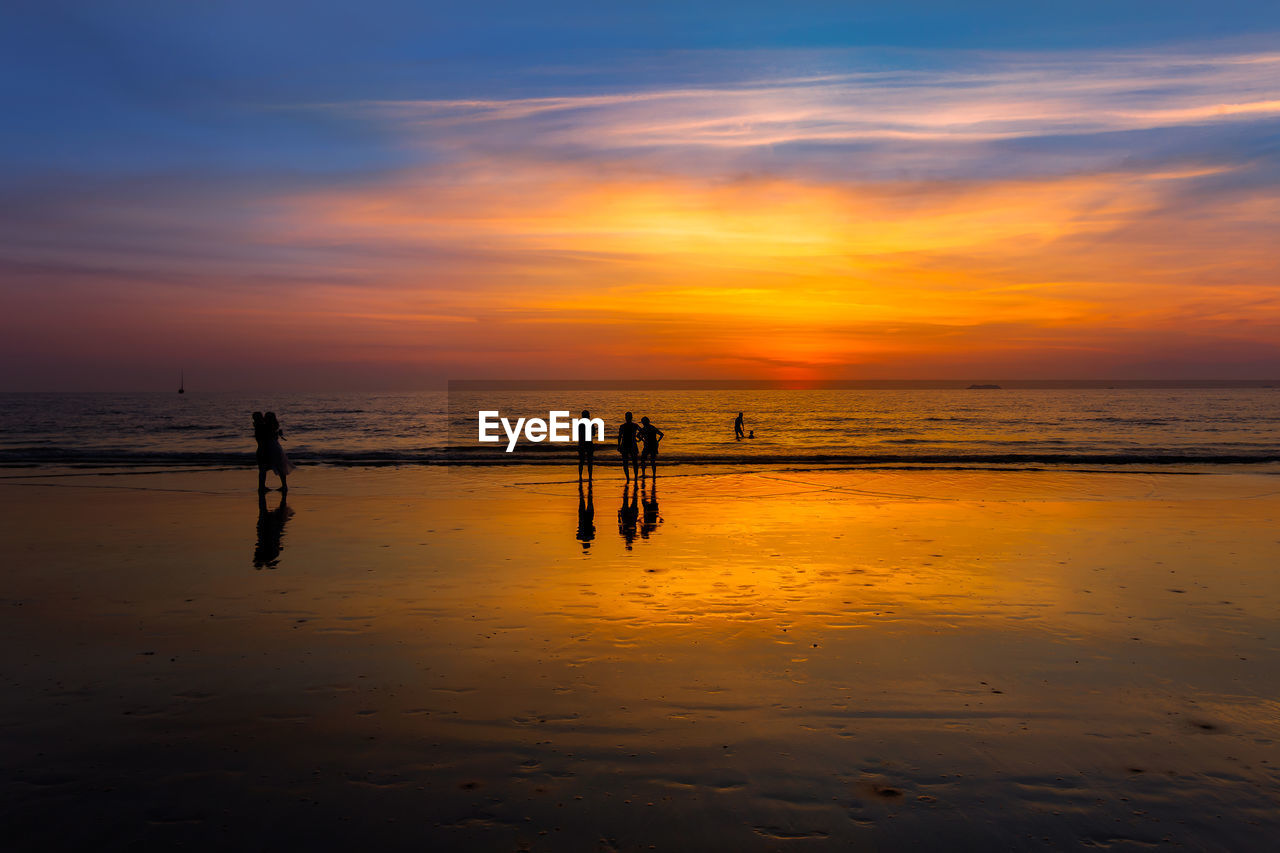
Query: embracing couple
x=270, y=455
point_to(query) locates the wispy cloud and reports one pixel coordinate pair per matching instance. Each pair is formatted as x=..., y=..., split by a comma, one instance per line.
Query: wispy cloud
x=973, y=98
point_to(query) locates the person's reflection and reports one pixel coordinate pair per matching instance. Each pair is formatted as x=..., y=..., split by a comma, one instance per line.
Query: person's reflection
x=649, y=505
x=629, y=512
x=266, y=553
x=586, y=517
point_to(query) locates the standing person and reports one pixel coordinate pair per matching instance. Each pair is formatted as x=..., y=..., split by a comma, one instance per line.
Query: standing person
x=737, y=428
x=628, y=446
x=263, y=452
x=275, y=453
x=586, y=446
x=650, y=435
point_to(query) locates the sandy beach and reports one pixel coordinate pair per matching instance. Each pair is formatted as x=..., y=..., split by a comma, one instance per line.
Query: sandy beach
x=426, y=658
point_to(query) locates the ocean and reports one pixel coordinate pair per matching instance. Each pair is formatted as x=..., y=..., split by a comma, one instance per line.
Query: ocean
x=941, y=427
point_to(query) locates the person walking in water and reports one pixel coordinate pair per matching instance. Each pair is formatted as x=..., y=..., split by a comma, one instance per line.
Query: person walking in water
x=628, y=446
x=737, y=428
x=650, y=435
x=275, y=453
x=586, y=447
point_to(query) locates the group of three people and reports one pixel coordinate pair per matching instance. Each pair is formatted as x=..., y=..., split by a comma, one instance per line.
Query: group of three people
x=637, y=442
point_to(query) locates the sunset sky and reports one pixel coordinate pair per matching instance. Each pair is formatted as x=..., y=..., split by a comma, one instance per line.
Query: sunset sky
x=388, y=195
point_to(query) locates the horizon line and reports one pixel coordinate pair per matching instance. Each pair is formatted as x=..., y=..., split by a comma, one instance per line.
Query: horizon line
x=709, y=384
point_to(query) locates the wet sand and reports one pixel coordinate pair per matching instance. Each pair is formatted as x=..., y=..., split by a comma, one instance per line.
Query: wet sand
x=776, y=660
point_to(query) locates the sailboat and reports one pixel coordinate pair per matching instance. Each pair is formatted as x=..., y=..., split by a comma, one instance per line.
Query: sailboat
x=182, y=382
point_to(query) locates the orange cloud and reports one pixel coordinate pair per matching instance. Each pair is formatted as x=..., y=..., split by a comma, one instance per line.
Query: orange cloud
x=804, y=278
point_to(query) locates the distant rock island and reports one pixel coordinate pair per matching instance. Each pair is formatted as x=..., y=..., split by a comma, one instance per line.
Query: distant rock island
x=985, y=387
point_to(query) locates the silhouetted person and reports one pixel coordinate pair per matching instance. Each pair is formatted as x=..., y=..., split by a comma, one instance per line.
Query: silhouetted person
x=737, y=427
x=629, y=512
x=275, y=453
x=586, y=517
x=266, y=553
x=650, y=435
x=649, y=508
x=629, y=446
x=586, y=445
x=263, y=451
x=751, y=434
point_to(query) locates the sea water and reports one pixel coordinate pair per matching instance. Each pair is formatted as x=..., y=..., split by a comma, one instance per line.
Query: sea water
x=948, y=426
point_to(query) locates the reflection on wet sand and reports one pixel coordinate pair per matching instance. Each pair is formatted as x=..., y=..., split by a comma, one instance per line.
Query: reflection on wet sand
x=649, y=505
x=629, y=512
x=586, y=517
x=639, y=510
x=1012, y=660
x=266, y=551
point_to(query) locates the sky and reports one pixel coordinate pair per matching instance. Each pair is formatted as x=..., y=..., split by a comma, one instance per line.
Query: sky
x=389, y=195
